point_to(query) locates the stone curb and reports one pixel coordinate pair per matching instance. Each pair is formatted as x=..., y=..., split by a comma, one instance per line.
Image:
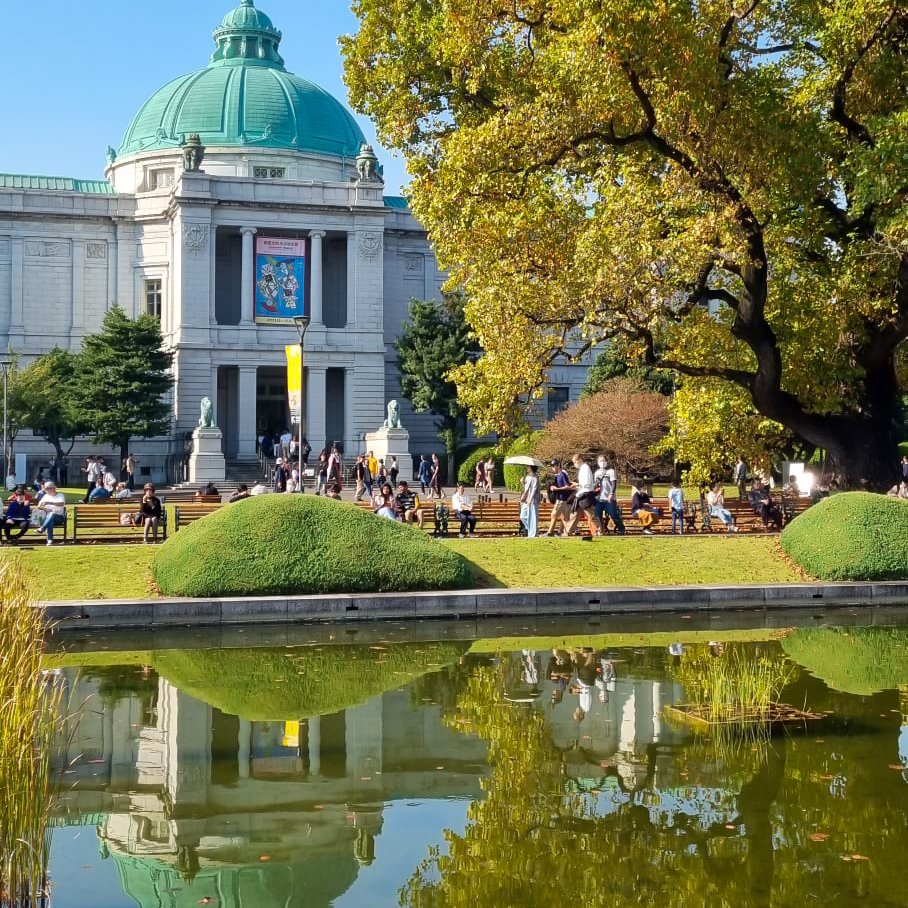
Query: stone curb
x=464, y=604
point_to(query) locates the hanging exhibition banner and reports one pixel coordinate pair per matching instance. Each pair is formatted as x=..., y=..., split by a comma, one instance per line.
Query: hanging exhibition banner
x=294, y=379
x=280, y=280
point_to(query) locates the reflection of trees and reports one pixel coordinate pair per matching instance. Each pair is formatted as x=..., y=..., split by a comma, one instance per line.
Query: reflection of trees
x=706, y=825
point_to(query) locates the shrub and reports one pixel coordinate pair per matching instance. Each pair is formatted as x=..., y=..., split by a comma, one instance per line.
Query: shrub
x=525, y=444
x=467, y=470
x=285, y=544
x=851, y=536
x=856, y=660
x=276, y=684
x=623, y=418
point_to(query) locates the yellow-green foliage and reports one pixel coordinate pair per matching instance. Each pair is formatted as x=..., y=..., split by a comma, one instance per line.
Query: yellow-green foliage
x=271, y=685
x=859, y=660
x=274, y=544
x=28, y=710
x=851, y=536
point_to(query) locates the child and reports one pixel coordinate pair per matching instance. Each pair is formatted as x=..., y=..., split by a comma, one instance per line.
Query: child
x=676, y=503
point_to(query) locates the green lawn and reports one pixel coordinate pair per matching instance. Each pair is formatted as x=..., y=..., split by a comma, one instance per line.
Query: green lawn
x=629, y=561
x=123, y=571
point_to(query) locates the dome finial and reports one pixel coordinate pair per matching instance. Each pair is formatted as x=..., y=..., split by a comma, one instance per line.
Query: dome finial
x=247, y=35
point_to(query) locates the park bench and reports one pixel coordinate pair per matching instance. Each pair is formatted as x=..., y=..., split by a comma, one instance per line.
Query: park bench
x=190, y=511
x=104, y=522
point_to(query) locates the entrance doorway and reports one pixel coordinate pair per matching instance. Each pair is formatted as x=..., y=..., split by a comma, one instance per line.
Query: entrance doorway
x=273, y=411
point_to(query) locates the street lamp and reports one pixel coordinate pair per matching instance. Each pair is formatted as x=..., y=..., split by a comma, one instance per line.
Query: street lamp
x=6, y=365
x=302, y=323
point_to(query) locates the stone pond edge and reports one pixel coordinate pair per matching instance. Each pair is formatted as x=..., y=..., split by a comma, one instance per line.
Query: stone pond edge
x=109, y=614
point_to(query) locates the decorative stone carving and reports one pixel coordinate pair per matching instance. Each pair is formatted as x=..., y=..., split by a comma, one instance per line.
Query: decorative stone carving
x=370, y=246
x=413, y=263
x=111, y=155
x=193, y=152
x=195, y=238
x=47, y=250
x=393, y=420
x=367, y=165
x=206, y=419
x=96, y=250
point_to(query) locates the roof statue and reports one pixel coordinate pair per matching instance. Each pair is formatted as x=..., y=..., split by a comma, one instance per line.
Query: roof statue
x=367, y=165
x=193, y=152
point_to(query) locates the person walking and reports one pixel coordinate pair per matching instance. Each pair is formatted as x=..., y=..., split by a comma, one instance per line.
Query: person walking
x=393, y=471
x=585, y=498
x=129, y=467
x=479, y=476
x=676, y=503
x=562, y=493
x=529, y=502
x=490, y=474
x=359, y=472
x=423, y=474
x=606, y=478
x=321, y=473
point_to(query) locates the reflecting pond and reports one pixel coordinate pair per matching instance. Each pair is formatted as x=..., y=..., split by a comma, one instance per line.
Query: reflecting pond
x=510, y=771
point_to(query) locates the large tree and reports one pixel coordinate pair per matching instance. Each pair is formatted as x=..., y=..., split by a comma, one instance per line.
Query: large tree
x=46, y=389
x=435, y=340
x=593, y=170
x=122, y=380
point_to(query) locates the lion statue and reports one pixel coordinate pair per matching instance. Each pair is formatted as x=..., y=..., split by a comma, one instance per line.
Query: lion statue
x=206, y=419
x=393, y=420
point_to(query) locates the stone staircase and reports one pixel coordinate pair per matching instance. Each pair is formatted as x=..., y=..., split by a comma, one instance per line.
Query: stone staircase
x=248, y=471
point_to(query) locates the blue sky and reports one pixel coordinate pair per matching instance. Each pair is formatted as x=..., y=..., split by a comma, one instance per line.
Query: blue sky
x=74, y=74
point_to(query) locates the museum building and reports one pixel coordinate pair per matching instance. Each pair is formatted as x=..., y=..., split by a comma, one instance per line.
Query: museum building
x=241, y=195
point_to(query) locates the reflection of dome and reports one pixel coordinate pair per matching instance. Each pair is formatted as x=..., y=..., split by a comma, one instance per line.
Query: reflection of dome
x=245, y=97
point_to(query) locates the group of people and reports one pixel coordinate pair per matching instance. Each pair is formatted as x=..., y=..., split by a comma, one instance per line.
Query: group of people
x=286, y=446
x=44, y=512
x=484, y=475
x=371, y=473
x=900, y=489
x=103, y=485
x=579, y=672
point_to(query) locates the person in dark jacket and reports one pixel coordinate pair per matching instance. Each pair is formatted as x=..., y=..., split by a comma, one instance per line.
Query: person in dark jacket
x=18, y=517
x=151, y=513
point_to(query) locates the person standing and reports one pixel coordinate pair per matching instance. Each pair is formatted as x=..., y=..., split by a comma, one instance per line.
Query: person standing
x=305, y=451
x=606, y=477
x=435, y=478
x=286, y=438
x=321, y=473
x=905, y=468
x=130, y=467
x=529, y=502
x=372, y=463
x=359, y=472
x=93, y=474
x=479, y=476
x=676, y=503
x=280, y=476
x=335, y=477
x=739, y=477
x=393, y=472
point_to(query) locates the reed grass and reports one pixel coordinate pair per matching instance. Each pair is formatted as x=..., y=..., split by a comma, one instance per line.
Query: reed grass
x=29, y=710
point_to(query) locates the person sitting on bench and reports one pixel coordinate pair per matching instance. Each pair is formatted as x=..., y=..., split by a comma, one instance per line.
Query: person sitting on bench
x=462, y=508
x=716, y=500
x=643, y=509
x=408, y=505
x=762, y=503
x=18, y=517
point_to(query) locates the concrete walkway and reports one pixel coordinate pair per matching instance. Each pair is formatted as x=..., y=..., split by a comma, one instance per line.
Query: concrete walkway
x=465, y=604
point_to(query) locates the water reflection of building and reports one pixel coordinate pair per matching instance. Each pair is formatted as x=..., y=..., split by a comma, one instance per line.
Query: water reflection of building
x=199, y=803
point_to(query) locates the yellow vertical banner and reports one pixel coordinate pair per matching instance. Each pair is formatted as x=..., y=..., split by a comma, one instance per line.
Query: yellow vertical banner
x=294, y=389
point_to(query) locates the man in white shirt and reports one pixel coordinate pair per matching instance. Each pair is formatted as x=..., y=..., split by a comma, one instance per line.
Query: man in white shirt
x=286, y=438
x=462, y=508
x=606, y=478
x=53, y=506
x=585, y=502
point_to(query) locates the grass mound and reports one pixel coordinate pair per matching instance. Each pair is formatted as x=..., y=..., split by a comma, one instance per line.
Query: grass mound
x=851, y=536
x=860, y=660
x=280, y=684
x=285, y=544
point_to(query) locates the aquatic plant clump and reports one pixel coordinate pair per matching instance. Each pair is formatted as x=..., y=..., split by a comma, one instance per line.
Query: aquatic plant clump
x=29, y=701
x=851, y=536
x=286, y=544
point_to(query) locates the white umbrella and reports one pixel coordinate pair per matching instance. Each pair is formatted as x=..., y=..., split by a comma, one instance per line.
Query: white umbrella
x=524, y=460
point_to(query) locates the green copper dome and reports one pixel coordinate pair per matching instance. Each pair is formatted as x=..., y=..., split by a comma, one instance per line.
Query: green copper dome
x=246, y=98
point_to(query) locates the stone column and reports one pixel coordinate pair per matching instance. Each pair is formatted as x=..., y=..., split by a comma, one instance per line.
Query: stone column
x=352, y=443
x=244, y=751
x=430, y=289
x=315, y=406
x=247, y=291
x=315, y=279
x=246, y=406
x=17, y=276
x=315, y=744
x=351, y=278
x=212, y=252
x=78, y=296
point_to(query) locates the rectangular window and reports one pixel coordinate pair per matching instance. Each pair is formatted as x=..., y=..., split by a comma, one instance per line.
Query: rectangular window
x=269, y=173
x=558, y=399
x=161, y=179
x=154, y=295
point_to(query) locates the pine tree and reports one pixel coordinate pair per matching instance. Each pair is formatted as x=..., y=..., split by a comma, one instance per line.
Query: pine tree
x=435, y=340
x=121, y=381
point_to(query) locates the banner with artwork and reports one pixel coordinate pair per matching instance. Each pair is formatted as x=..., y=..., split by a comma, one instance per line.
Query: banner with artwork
x=294, y=380
x=280, y=279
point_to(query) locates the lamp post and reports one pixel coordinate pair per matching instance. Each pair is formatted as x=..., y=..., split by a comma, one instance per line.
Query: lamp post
x=302, y=323
x=5, y=365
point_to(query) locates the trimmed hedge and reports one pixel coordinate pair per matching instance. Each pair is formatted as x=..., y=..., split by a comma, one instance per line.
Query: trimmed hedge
x=466, y=472
x=513, y=475
x=285, y=544
x=856, y=660
x=279, y=684
x=851, y=536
